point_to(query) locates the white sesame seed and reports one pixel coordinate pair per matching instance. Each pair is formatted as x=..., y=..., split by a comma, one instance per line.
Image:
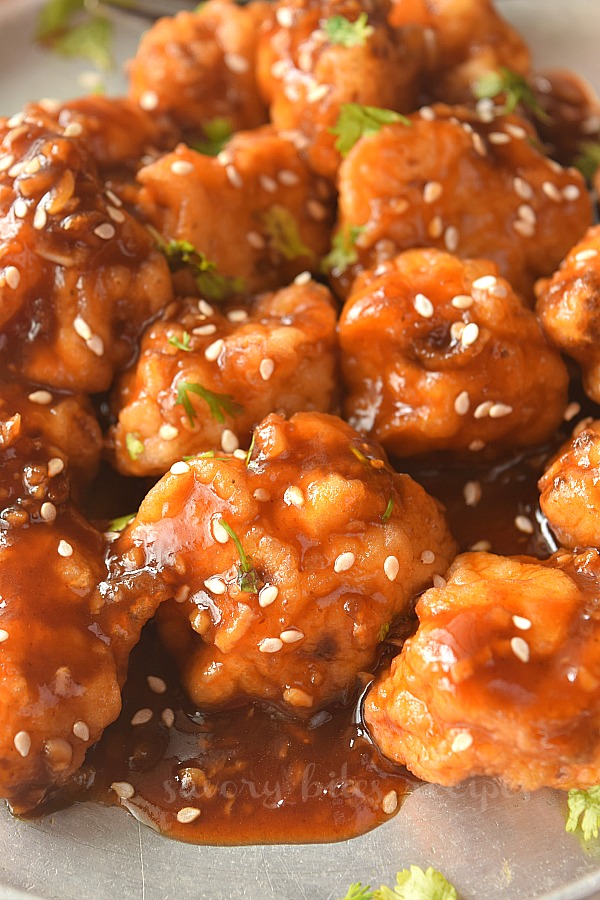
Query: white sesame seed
x=524, y=524
x=55, y=465
x=255, y=240
x=233, y=176
x=389, y=804
x=105, y=231
x=229, y=441
x=498, y=137
x=584, y=255
x=181, y=167
x=167, y=432
x=64, y=549
x=435, y=227
x=572, y=410
x=476, y=445
x=316, y=210
x=95, y=344
x=520, y=648
x=316, y=92
x=141, y=717
x=16, y=170
x=481, y=546
x=81, y=731
x=462, y=403
x=236, y=63
x=40, y=218
x=182, y=593
x=571, y=192
x=293, y=496
x=168, y=717
x=214, y=350
x=291, y=635
x=20, y=208
x=42, y=398
x=478, y=144
x=12, y=277
x=267, y=183
x=115, y=214
x=215, y=585
x=123, y=789
x=267, y=595
x=439, y=582
x=432, y=191
x=3, y=635
x=238, y=315
x=188, y=814
x=6, y=162
x=462, y=301
x=516, y=131
x=499, y=410
x=82, y=328
x=22, y=743
x=219, y=533
x=470, y=334
x=485, y=282
x=261, y=495
x=279, y=68
x=472, y=493
x=344, y=562
x=204, y=330
x=149, y=100
x=73, y=129
x=289, y=178
x=423, y=306
x=205, y=308
x=462, y=742
x=485, y=109
x=522, y=188
x=302, y=278
x=427, y=113
x=427, y=557
x=551, y=191
x=285, y=17
x=451, y=238
x=527, y=213
x=521, y=623
x=48, y=511
x=391, y=567
x=240, y=454
x=179, y=468
x=157, y=685
x=266, y=368
x=270, y=645
x=482, y=410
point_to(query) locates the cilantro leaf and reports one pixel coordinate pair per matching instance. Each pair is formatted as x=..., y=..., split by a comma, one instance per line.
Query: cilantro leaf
x=183, y=344
x=69, y=28
x=357, y=892
x=356, y=121
x=216, y=134
x=135, y=446
x=415, y=884
x=56, y=15
x=343, y=251
x=121, y=523
x=250, y=449
x=183, y=255
x=247, y=575
x=383, y=632
x=588, y=161
x=388, y=510
x=584, y=812
x=282, y=231
x=514, y=87
x=218, y=404
x=345, y=33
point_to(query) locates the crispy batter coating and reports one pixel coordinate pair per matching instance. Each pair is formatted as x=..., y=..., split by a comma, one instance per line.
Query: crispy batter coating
x=502, y=677
x=200, y=66
x=256, y=210
x=278, y=354
x=440, y=354
x=568, y=306
x=464, y=40
x=336, y=545
x=451, y=181
x=79, y=277
x=306, y=76
x=570, y=490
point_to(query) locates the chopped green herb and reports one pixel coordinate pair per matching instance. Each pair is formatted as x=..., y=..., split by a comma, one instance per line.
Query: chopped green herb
x=588, y=160
x=247, y=576
x=183, y=344
x=388, y=510
x=219, y=404
x=135, y=446
x=343, y=251
x=411, y=884
x=342, y=31
x=383, y=632
x=282, y=230
x=250, y=449
x=356, y=121
x=359, y=454
x=584, y=812
x=210, y=283
x=357, y=892
x=208, y=454
x=514, y=87
x=74, y=28
x=216, y=134
x=121, y=523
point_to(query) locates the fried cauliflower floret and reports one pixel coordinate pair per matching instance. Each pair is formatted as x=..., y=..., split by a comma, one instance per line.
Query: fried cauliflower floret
x=502, y=677
x=440, y=354
x=276, y=355
x=199, y=66
x=286, y=571
x=465, y=40
x=79, y=277
x=307, y=75
x=570, y=490
x=568, y=306
x=453, y=182
x=255, y=211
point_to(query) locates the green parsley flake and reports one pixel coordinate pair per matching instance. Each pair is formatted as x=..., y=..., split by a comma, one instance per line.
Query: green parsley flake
x=343, y=32
x=343, y=251
x=71, y=29
x=282, y=231
x=357, y=892
x=135, y=446
x=388, y=510
x=588, y=160
x=250, y=449
x=584, y=812
x=216, y=134
x=183, y=344
x=183, y=255
x=411, y=884
x=247, y=576
x=121, y=523
x=383, y=632
x=514, y=87
x=356, y=121
x=219, y=404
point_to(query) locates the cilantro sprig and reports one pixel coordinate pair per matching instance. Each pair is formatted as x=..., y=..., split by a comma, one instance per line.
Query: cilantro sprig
x=216, y=134
x=247, y=575
x=183, y=255
x=588, y=161
x=343, y=251
x=282, y=230
x=388, y=510
x=515, y=89
x=584, y=812
x=78, y=28
x=133, y=444
x=183, y=344
x=345, y=33
x=411, y=884
x=356, y=121
x=219, y=405
x=120, y=524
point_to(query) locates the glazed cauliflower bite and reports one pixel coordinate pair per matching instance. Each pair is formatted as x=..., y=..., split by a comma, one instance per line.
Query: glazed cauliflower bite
x=198, y=66
x=330, y=545
x=278, y=354
x=440, y=354
x=570, y=490
x=454, y=182
x=502, y=677
x=79, y=277
x=307, y=75
x=568, y=306
x=255, y=210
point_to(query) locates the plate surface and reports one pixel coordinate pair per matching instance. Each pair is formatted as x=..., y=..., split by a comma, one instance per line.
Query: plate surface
x=489, y=843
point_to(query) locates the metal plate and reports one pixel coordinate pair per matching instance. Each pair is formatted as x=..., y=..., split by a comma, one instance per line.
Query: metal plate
x=489, y=843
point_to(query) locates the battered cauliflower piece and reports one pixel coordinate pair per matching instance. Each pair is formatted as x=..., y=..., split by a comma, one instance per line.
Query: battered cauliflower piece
x=204, y=378
x=568, y=306
x=502, y=677
x=286, y=570
x=465, y=39
x=79, y=277
x=570, y=490
x=255, y=211
x=306, y=74
x=199, y=66
x=440, y=354
x=454, y=182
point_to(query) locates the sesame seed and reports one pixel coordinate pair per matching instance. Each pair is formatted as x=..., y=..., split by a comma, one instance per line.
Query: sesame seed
x=462, y=301
x=219, y=533
x=551, y=191
x=267, y=595
x=435, y=227
x=485, y=282
x=522, y=189
x=476, y=445
x=73, y=129
x=279, y=68
x=157, y=685
x=22, y=743
x=236, y=63
x=481, y=546
x=168, y=717
x=229, y=441
x=391, y=567
x=472, y=493
x=42, y=398
x=141, y=717
x=316, y=92
x=3, y=635
x=389, y=804
x=527, y=213
x=238, y=315
x=215, y=585
x=423, y=306
x=524, y=524
x=204, y=330
x=316, y=210
x=516, y=131
x=181, y=167
x=572, y=410
x=427, y=557
x=571, y=192
x=462, y=742
x=6, y=162
x=451, y=238
x=115, y=214
x=55, y=466
x=82, y=328
x=427, y=113
x=48, y=511
x=520, y=648
x=179, y=468
x=81, y=731
x=205, y=308
x=167, y=432
x=291, y=635
x=95, y=344
x=293, y=496
x=188, y=814
x=123, y=789
x=498, y=137
x=40, y=219
x=214, y=350
x=267, y=183
x=240, y=454
x=261, y=495
x=462, y=403
x=584, y=255
x=233, y=176
x=64, y=549
x=432, y=191
x=485, y=109
x=344, y=562
x=105, y=231
x=20, y=208
x=266, y=369
x=12, y=277
x=525, y=229
x=255, y=240
x=521, y=623
x=439, y=582
x=470, y=334
x=285, y=17
x=270, y=645
x=149, y=100
x=499, y=410
x=302, y=278
x=182, y=593
x=482, y=410
x=289, y=178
